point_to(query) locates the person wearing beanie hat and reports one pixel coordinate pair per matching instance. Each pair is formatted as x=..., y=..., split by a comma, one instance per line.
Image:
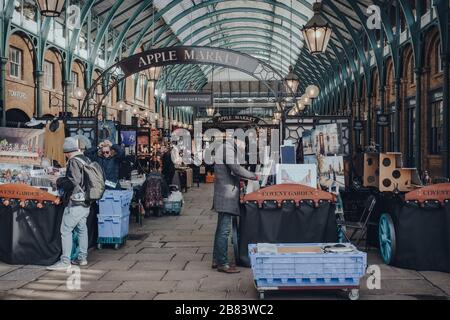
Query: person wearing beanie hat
x=76, y=209
x=70, y=145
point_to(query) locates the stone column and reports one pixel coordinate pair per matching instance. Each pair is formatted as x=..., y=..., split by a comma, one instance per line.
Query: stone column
x=38, y=79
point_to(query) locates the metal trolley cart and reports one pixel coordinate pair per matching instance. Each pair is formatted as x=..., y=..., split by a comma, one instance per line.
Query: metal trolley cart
x=307, y=267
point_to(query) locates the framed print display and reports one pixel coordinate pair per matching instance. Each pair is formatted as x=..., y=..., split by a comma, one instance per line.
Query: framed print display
x=332, y=171
x=327, y=140
x=304, y=174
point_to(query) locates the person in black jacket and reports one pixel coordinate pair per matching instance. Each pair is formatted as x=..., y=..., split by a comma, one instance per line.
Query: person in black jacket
x=168, y=167
x=76, y=212
x=109, y=157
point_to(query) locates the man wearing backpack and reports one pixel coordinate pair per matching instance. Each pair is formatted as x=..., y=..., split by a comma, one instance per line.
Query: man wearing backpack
x=77, y=193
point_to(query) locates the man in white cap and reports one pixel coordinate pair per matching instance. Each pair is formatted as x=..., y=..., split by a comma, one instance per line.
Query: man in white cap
x=76, y=207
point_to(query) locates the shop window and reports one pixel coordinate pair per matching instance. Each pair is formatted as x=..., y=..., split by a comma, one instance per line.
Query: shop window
x=15, y=62
x=75, y=80
x=436, y=120
x=140, y=87
x=410, y=129
x=49, y=68
x=439, y=67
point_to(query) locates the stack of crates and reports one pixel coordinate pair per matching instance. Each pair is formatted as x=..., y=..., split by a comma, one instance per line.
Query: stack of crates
x=113, y=217
x=316, y=269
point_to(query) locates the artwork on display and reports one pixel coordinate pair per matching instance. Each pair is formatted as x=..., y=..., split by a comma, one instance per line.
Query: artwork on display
x=288, y=155
x=143, y=144
x=299, y=151
x=15, y=173
x=304, y=174
x=331, y=170
x=326, y=139
x=128, y=140
x=107, y=131
x=311, y=159
x=21, y=146
x=308, y=142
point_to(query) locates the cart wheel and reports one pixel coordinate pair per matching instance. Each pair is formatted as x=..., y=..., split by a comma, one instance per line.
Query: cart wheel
x=116, y=246
x=388, y=243
x=99, y=246
x=261, y=295
x=353, y=294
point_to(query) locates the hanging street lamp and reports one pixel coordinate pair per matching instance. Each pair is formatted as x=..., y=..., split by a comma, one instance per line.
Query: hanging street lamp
x=317, y=32
x=210, y=111
x=312, y=91
x=152, y=74
x=277, y=115
x=292, y=80
x=50, y=8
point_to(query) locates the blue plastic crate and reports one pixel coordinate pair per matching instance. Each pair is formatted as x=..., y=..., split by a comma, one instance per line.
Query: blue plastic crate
x=307, y=269
x=115, y=203
x=113, y=226
x=172, y=207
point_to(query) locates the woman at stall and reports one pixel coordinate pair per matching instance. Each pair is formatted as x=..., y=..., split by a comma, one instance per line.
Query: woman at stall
x=109, y=157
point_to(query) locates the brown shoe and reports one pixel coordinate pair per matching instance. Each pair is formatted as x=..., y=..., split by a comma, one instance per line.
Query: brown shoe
x=227, y=269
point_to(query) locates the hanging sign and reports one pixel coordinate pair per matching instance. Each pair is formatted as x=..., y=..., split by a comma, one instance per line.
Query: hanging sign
x=189, y=99
x=187, y=55
x=383, y=120
x=238, y=118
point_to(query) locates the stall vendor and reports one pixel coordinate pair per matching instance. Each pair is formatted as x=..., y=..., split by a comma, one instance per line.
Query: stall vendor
x=109, y=157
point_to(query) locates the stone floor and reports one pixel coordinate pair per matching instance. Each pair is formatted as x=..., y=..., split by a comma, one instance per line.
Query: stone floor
x=172, y=261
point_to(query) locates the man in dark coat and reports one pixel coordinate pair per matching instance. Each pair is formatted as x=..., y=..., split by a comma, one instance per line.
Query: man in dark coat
x=227, y=176
x=109, y=157
x=168, y=167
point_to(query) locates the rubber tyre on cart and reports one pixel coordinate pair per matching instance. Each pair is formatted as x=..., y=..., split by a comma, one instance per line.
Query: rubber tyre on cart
x=387, y=238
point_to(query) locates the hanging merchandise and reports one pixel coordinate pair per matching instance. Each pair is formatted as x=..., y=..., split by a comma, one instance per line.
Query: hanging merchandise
x=54, y=139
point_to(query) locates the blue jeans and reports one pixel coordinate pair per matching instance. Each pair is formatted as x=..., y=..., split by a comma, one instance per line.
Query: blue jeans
x=220, y=253
x=74, y=219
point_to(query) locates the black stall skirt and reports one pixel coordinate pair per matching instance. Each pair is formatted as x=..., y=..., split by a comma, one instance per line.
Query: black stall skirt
x=288, y=224
x=423, y=234
x=32, y=236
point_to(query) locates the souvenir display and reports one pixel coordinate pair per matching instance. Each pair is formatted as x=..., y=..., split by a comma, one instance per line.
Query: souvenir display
x=21, y=146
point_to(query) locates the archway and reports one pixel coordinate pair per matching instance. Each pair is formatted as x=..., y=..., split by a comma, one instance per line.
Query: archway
x=16, y=118
x=186, y=55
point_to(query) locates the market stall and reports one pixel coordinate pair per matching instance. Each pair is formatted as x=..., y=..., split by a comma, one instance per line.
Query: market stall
x=414, y=228
x=288, y=213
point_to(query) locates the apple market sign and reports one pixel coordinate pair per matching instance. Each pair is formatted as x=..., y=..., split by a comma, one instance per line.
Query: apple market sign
x=187, y=55
x=181, y=55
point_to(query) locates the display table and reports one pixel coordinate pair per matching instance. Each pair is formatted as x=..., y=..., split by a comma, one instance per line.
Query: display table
x=30, y=234
x=285, y=214
x=414, y=231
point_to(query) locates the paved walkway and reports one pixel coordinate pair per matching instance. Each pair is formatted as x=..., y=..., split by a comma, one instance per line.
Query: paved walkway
x=172, y=261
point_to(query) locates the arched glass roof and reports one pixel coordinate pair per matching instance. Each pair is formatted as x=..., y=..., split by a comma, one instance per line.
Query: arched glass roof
x=267, y=29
